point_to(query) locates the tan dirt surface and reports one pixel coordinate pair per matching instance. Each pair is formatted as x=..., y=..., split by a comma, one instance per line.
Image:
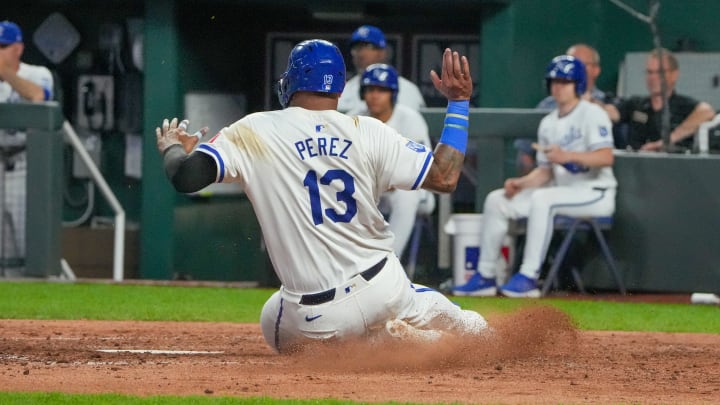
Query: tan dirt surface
x=535, y=356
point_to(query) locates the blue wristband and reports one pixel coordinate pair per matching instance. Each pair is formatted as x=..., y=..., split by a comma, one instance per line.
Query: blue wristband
x=455, y=131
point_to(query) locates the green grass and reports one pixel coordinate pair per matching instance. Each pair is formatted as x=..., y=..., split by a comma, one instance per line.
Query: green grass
x=130, y=302
x=41, y=300
x=609, y=316
x=36, y=300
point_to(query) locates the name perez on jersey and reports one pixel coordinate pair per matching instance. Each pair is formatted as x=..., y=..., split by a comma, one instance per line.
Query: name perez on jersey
x=323, y=146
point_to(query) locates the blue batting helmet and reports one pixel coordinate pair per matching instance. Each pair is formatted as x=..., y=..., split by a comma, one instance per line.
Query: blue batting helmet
x=569, y=68
x=315, y=65
x=381, y=75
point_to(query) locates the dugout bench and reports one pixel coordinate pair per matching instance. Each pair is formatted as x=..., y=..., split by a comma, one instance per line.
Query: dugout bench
x=667, y=220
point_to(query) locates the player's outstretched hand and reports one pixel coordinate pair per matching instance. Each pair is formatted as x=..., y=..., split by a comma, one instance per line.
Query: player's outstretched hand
x=454, y=82
x=173, y=133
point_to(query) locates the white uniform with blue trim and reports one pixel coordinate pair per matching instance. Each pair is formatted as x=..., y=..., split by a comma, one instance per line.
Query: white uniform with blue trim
x=314, y=179
x=576, y=191
x=403, y=206
x=39, y=75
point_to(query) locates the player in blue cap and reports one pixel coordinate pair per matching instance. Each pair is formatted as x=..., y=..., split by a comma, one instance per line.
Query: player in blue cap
x=368, y=46
x=20, y=81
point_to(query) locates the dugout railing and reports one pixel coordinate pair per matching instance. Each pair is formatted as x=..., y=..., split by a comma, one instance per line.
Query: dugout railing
x=46, y=128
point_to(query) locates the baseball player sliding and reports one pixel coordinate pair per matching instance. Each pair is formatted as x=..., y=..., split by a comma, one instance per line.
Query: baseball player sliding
x=574, y=177
x=313, y=176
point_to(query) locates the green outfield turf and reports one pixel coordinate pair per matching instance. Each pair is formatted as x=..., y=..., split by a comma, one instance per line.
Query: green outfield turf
x=35, y=300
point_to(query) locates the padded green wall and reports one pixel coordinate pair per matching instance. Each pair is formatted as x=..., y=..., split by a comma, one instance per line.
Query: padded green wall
x=163, y=99
x=518, y=40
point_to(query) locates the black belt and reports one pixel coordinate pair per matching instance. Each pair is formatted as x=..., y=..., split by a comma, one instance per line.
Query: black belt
x=329, y=295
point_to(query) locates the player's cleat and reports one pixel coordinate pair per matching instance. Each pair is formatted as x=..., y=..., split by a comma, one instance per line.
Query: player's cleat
x=400, y=329
x=477, y=286
x=520, y=286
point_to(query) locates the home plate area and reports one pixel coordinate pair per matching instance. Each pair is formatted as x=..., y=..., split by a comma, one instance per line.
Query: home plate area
x=536, y=356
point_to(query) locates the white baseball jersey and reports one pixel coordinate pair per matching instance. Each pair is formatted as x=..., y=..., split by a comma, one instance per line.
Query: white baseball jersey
x=577, y=190
x=314, y=179
x=401, y=205
x=318, y=176
x=408, y=94
x=39, y=75
x=586, y=128
x=406, y=121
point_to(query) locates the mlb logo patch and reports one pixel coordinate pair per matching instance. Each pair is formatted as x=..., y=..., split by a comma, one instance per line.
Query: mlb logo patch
x=417, y=147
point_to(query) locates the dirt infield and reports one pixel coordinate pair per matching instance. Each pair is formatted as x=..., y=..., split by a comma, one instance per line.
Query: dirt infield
x=536, y=356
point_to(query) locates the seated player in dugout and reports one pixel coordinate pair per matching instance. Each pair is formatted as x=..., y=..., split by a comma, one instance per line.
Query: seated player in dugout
x=379, y=90
x=574, y=177
x=590, y=57
x=314, y=176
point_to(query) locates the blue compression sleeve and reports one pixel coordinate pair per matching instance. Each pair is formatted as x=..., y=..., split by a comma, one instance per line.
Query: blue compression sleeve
x=455, y=131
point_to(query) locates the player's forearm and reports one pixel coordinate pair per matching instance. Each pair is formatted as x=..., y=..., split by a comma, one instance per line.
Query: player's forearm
x=25, y=88
x=449, y=155
x=537, y=177
x=702, y=112
x=597, y=158
x=188, y=173
x=445, y=171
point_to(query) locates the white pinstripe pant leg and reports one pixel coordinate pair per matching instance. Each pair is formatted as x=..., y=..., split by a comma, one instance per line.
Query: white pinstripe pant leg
x=551, y=201
x=497, y=212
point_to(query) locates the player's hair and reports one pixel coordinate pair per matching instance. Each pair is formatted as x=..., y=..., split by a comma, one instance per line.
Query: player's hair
x=672, y=62
x=595, y=55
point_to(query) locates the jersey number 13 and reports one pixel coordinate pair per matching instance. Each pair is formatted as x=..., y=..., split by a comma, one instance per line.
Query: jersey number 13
x=344, y=195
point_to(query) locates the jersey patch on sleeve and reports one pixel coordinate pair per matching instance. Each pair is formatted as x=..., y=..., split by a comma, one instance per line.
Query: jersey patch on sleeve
x=603, y=131
x=417, y=147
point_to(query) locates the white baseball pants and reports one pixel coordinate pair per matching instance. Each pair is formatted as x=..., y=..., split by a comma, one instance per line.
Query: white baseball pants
x=539, y=205
x=361, y=308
